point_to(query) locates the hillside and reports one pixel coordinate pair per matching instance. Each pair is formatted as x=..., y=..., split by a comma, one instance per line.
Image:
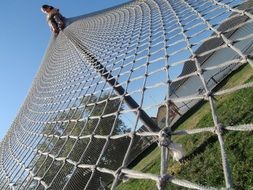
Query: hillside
x=202, y=162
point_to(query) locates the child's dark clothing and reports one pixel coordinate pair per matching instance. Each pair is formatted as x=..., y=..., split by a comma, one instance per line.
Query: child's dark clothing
x=55, y=20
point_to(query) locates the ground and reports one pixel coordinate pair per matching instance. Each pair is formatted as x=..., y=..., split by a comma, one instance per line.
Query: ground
x=202, y=163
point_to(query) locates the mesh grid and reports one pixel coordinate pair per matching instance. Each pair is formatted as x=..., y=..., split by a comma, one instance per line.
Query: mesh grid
x=114, y=82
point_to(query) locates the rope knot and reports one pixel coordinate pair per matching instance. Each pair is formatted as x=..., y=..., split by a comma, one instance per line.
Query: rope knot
x=164, y=139
x=163, y=181
x=176, y=149
x=219, y=128
x=250, y=57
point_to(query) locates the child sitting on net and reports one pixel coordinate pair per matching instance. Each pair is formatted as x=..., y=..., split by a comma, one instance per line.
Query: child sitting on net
x=54, y=18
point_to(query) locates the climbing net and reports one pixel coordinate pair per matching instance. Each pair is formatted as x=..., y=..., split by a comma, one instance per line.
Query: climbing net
x=115, y=82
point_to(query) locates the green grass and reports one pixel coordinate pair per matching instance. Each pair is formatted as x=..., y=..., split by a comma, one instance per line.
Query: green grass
x=204, y=166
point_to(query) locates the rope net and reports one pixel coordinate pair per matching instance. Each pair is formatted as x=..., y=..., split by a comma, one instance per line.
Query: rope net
x=115, y=82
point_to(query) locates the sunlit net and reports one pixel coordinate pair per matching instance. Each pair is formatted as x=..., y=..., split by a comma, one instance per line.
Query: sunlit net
x=114, y=82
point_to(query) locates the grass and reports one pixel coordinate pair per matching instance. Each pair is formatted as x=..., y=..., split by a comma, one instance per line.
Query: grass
x=202, y=163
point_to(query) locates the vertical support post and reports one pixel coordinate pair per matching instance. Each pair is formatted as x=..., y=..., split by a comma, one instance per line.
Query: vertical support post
x=84, y=51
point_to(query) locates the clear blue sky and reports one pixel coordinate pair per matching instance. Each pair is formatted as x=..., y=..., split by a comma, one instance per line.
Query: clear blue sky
x=24, y=36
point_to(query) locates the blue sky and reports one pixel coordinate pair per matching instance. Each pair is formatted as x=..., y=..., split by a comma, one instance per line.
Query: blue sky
x=24, y=36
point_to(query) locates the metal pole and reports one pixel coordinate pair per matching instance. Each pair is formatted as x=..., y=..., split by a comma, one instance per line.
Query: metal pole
x=144, y=117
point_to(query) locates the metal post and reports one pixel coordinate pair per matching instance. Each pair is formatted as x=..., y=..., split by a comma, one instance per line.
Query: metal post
x=144, y=117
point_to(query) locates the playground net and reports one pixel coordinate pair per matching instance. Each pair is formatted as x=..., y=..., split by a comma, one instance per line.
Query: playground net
x=115, y=82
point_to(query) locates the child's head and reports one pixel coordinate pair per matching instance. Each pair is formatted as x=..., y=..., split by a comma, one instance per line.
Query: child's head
x=46, y=8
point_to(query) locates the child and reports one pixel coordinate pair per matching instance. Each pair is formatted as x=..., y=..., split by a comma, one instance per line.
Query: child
x=54, y=18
